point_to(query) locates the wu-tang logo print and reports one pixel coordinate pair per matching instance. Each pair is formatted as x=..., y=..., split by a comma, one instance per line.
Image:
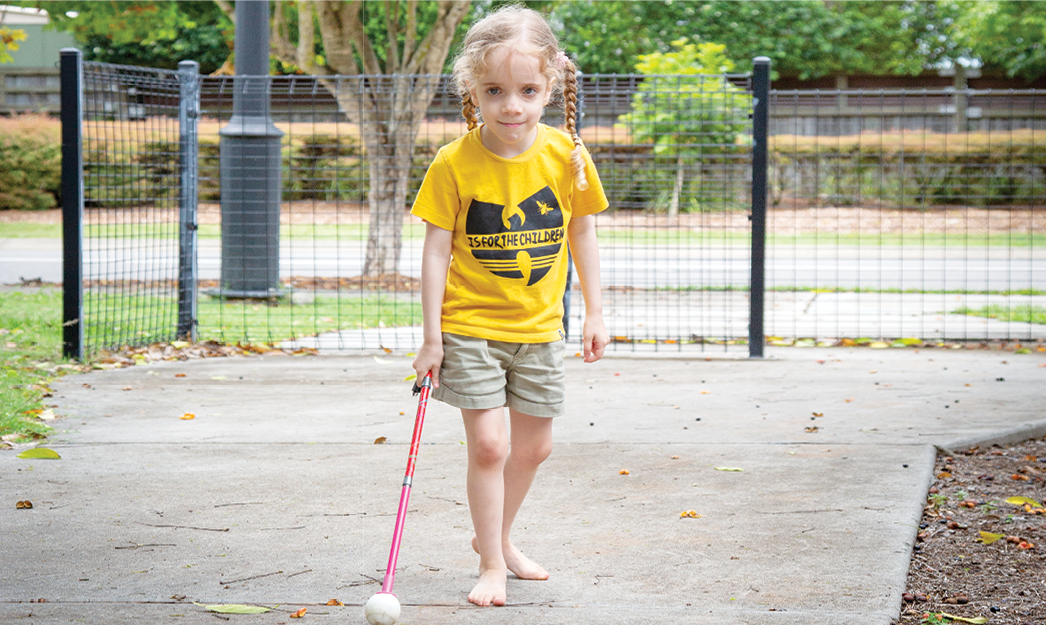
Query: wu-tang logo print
x=517, y=242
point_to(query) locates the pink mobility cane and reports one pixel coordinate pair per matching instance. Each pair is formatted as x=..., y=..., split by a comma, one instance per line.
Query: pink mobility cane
x=383, y=608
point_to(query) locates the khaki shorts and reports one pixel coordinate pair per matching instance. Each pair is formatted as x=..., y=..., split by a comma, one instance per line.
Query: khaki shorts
x=480, y=374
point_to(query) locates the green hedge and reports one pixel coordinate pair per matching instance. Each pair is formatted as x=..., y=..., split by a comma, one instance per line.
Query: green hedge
x=30, y=170
x=911, y=169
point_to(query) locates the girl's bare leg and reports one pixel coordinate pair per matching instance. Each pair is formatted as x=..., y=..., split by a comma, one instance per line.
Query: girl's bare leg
x=487, y=451
x=531, y=445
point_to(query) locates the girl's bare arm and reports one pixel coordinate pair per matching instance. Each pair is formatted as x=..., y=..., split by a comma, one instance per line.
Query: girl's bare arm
x=435, y=260
x=583, y=247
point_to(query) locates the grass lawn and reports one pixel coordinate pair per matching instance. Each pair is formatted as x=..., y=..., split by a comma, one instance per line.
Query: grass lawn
x=31, y=333
x=30, y=347
x=114, y=320
x=1023, y=313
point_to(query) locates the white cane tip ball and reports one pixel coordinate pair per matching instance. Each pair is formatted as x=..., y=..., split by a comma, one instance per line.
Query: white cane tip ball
x=382, y=609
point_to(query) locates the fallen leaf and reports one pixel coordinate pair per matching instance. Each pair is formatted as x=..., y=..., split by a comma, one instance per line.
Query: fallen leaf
x=1025, y=545
x=179, y=375
x=850, y=399
x=943, y=475
x=234, y=608
x=878, y=345
x=380, y=440
x=127, y=388
x=46, y=415
x=1020, y=501
x=988, y=537
x=382, y=361
x=690, y=514
x=817, y=414
x=334, y=602
x=187, y=416
x=300, y=613
x=623, y=472
x=980, y=620
x=24, y=505
x=811, y=429
x=219, y=377
x=1017, y=477
x=733, y=469
x=413, y=376
x=179, y=344
x=675, y=457
x=40, y=453
x=706, y=392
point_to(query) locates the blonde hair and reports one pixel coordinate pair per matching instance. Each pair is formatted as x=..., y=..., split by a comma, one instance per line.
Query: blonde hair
x=504, y=27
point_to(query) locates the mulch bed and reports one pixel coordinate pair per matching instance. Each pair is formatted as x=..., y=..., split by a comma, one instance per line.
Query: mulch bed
x=978, y=555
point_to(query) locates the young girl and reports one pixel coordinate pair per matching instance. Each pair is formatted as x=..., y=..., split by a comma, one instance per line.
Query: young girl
x=501, y=205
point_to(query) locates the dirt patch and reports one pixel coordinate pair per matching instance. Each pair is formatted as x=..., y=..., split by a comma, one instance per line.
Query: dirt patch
x=849, y=220
x=863, y=220
x=978, y=555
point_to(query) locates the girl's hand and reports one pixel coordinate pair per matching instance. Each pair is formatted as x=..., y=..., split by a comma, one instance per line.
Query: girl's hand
x=429, y=359
x=596, y=337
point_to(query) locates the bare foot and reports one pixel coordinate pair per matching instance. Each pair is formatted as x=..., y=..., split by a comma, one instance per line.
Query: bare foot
x=520, y=565
x=490, y=589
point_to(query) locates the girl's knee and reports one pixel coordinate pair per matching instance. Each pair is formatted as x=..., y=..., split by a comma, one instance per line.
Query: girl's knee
x=489, y=451
x=535, y=453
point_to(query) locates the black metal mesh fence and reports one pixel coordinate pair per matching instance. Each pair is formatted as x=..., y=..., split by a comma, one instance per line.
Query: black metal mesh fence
x=907, y=215
x=674, y=155
x=892, y=215
x=130, y=218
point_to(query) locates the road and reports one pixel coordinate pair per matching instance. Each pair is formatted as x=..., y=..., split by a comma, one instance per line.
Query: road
x=644, y=267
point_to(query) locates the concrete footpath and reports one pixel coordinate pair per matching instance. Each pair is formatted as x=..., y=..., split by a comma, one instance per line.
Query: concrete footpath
x=275, y=493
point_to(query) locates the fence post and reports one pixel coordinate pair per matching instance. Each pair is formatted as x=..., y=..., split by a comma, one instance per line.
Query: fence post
x=188, y=156
x=72, y=115
x=760, y=136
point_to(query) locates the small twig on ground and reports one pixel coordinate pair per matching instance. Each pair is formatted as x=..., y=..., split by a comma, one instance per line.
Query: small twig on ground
x=188, y=527
x=247, y=579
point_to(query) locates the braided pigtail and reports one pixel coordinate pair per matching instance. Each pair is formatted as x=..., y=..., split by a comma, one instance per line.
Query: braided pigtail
x=468, y=109
x=577, y=156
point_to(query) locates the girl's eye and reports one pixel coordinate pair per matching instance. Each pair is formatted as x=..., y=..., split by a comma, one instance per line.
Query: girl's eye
x=493, y=91
x=529, y=91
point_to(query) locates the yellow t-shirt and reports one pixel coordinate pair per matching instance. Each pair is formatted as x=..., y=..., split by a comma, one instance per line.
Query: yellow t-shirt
x=508, y=265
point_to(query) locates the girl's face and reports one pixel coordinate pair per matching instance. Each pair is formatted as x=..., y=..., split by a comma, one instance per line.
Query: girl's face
x=511, y=96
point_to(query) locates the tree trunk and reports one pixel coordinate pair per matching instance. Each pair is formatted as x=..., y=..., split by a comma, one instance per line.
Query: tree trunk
x=388, y=104
x=387, y=200
x=389, y=111
x=677, y=191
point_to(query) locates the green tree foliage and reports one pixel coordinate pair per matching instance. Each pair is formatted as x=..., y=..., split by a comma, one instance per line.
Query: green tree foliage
x=684, y=99
x=152, y=33
x=804, y=38
x=1005, y=34
x=689, y=112
x=9, y=38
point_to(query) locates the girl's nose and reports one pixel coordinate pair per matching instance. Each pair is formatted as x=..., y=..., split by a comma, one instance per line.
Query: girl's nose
x=512, y=104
